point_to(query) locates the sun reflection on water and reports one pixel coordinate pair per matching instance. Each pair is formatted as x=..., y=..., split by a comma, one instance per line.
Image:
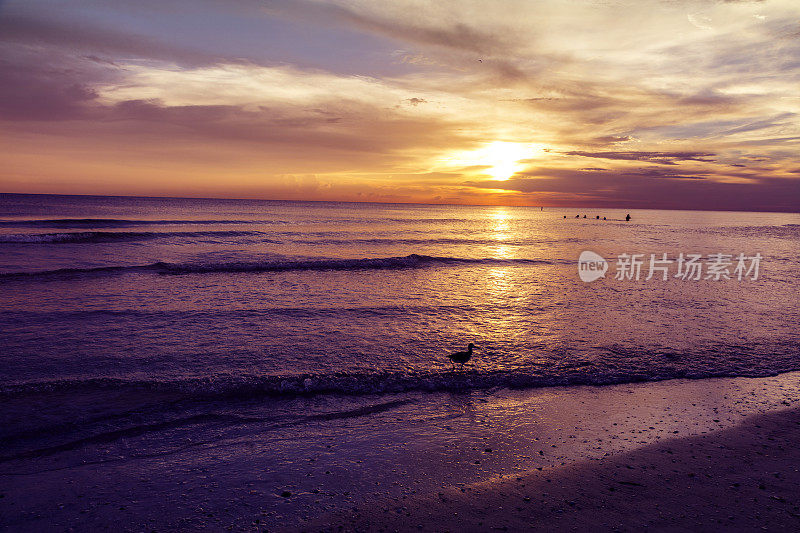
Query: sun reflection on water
x=501, y=231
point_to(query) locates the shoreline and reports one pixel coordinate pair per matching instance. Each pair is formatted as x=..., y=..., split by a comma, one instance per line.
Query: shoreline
x=742, y=478
x=350, y=385
x=367, y=453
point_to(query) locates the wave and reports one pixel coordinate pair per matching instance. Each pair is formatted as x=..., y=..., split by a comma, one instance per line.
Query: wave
x=393, y=241
x=260, y=236
x=784, y=231
x=412, y=261
x=364, y=383
x=119, y=223
x=263, y=312
x=122, y=236
x=124, y=222
x=108, y=436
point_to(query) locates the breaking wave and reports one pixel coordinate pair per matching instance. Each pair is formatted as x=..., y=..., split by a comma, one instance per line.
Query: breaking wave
x=362, y=383
x=122, y=236
x=125, y=223
x=380, y=263
x=115, y=222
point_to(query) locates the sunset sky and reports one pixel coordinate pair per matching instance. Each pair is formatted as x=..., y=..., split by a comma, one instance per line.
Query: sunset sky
x=616, y=103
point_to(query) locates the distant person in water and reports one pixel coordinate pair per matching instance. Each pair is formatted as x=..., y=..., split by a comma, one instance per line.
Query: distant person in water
x=577, y=216
x=628, y=217
x=584, y=216
x=565, y=216
x=604, y=218
x=598, y=217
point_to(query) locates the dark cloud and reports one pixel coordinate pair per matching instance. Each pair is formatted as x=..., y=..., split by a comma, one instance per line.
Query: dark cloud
x=659, y=173
x=459, y=36
x=651, y=190
x=156, y=111
x=628, y=109
x=662, y=158
x=24, y=97
x=595, y=173
x=456, y=35
x=49, y=91
x=769, y=141
x=359, y=131
x=57, y=87
x=707, y=99
x=771, y=122
x=611, y=139
x=579, y=102
x=95, y=41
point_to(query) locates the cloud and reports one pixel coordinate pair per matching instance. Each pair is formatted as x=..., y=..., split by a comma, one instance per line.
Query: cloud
x=357, y=130
x=76, y=37
x=59, y=88
x=396, y=24
x=376, y=95
x=601, y=189
x=611, y=139
x=766, y=123
x=662, y=158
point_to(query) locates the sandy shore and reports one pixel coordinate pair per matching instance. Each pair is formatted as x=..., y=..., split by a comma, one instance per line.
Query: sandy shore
x=745, y=478
x=678, y=455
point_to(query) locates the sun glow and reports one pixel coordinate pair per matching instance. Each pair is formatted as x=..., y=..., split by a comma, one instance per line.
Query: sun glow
x=499, y=159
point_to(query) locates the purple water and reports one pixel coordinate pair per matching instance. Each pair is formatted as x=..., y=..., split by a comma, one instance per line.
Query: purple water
x=139, y=327
x=204, y=355
x=217, y=296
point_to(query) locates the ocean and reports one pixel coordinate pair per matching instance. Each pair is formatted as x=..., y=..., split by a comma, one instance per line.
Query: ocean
x=184, y=332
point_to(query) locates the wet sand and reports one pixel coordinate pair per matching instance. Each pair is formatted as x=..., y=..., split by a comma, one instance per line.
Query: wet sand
x=746, y=478
x=675, y=455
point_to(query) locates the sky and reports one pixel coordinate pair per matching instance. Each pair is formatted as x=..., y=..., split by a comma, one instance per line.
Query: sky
x=676, y=104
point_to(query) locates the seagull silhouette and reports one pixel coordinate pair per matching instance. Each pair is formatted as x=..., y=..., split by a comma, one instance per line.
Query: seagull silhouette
x=461, y=357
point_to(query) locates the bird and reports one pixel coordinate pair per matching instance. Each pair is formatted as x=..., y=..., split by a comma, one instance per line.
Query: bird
x=461, y=357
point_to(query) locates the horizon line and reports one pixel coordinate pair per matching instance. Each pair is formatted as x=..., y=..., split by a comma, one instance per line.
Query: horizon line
x=392, y=203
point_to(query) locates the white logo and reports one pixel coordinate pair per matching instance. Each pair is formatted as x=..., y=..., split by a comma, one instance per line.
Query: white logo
x=591, y=266
x=689, y=266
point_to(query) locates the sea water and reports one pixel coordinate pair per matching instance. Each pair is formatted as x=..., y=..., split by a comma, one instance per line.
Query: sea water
x=136, y=328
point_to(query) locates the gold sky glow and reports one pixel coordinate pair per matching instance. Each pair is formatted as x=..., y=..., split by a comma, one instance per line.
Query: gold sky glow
x=646, y=103
x=498, y=159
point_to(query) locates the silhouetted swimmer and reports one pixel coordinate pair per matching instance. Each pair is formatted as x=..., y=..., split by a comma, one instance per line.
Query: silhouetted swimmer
x=565, y=216
x=604, y=218
x=577, y=216
x=598, y=217
x=628, y=217
x=584, y=216
x=461, y=357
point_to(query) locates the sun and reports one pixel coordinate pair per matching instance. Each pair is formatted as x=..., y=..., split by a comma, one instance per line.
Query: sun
x=499, y=159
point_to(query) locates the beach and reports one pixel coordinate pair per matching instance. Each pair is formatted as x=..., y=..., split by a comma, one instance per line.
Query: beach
x=740, y=479
x=668, y=455
x=352, y=265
